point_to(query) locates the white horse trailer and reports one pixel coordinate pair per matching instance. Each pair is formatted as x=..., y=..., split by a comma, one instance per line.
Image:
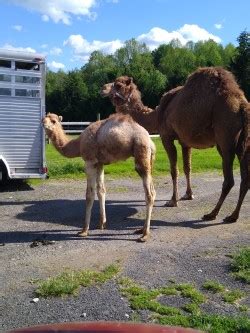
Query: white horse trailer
x=22, y=106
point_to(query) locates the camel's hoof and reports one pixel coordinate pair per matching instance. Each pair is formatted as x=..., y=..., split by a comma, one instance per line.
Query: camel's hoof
x=187, y=197
x=138, y=231
x=142, y=239
x=209, y=217
x=171, y=203
x=230, y=219
x=82, y=234
x=103, y=226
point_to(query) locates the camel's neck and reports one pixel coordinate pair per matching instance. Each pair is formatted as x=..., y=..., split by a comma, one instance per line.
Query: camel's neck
x=65, y=146
x=146, y=117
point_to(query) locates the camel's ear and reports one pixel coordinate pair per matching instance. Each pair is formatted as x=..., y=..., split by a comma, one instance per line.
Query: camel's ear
x=129, y=80
x=60, y=118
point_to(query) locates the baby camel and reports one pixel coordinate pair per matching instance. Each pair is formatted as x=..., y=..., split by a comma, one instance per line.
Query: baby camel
x=104, y=142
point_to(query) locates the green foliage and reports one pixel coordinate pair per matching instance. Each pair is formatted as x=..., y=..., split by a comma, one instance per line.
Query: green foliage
x=240, y=64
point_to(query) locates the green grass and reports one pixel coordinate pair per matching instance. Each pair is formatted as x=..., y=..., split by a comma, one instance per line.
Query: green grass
x=190, y=315
x=232, y=296
x=241, y=264
x=213, y=286
x=69, y=282
x=208, y=323
x=202, y=160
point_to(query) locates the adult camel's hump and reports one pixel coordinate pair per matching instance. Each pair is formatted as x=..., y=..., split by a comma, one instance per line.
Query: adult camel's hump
x=212, y=107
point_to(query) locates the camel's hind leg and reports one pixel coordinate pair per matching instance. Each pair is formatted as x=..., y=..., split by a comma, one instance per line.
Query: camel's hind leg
x=227, y=164
x=101, y=193
x=143, y=167
x=186, y=155
x=172, y=155
x=243, y=189
x=91, y=172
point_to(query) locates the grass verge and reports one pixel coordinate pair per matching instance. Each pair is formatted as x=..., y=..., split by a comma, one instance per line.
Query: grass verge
x=202, y=161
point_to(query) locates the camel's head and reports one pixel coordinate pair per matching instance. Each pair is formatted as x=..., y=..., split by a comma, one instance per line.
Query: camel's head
x=106, y=89
x=119, y=91
x=51, y=122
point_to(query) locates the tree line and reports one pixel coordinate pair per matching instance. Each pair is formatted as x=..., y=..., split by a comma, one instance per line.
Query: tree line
x=76, y=94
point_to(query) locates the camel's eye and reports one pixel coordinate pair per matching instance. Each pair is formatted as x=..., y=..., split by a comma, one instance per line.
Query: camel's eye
x=53, y=121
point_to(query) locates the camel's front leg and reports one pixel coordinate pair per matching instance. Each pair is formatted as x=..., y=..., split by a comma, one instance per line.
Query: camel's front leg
x=149, y=198
x=172, y=155
x=101, y=193
x=91, y=173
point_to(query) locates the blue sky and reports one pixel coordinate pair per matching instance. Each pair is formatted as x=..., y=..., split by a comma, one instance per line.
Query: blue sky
x=67, y=31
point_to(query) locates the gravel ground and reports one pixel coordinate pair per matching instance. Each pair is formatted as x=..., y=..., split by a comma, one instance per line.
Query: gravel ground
x=181, y=247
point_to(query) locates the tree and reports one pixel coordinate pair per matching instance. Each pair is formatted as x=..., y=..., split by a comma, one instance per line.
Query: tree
x=240, y=65
x=208, y=53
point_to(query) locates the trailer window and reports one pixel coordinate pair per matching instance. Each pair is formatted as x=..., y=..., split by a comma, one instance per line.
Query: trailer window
x=27, y=93
x=5, y=91
x=27, y=79
x=5, y=63
x=27, y=65
x=5, y=78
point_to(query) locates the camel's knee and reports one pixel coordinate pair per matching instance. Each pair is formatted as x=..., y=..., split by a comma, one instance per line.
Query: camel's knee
x=101, y=190
x=90, y=194
x=227, y=185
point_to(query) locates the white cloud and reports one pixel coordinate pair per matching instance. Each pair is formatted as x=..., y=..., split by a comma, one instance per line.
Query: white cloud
x=17, y=27
x=55, y=51
x=59, y=10
x=157, y=36
x=218, y=26
x=26, y=49
x=188, y=32
x=192, y=32
x=53, y=65
x=82, y=47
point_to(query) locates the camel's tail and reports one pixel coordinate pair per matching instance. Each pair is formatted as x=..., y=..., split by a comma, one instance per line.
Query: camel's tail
x=245, y=142
x=166, y=98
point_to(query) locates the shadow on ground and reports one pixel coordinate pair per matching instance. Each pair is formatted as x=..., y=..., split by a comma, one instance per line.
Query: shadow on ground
x=70, y=213
x=14, y=185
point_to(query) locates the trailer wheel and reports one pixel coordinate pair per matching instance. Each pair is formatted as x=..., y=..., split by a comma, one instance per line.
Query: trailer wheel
x=3, y=173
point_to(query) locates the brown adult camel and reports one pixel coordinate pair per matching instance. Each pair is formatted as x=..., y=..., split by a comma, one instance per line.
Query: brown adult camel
x=126, y=98
x=210, y=109
x=104, y=142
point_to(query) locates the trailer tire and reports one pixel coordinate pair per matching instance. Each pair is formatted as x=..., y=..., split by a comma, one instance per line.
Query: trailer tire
x=3, y=173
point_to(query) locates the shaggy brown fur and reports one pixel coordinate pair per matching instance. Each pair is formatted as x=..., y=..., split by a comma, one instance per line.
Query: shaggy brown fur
x=209, y=110
x=126, y=97
x=104, y=142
